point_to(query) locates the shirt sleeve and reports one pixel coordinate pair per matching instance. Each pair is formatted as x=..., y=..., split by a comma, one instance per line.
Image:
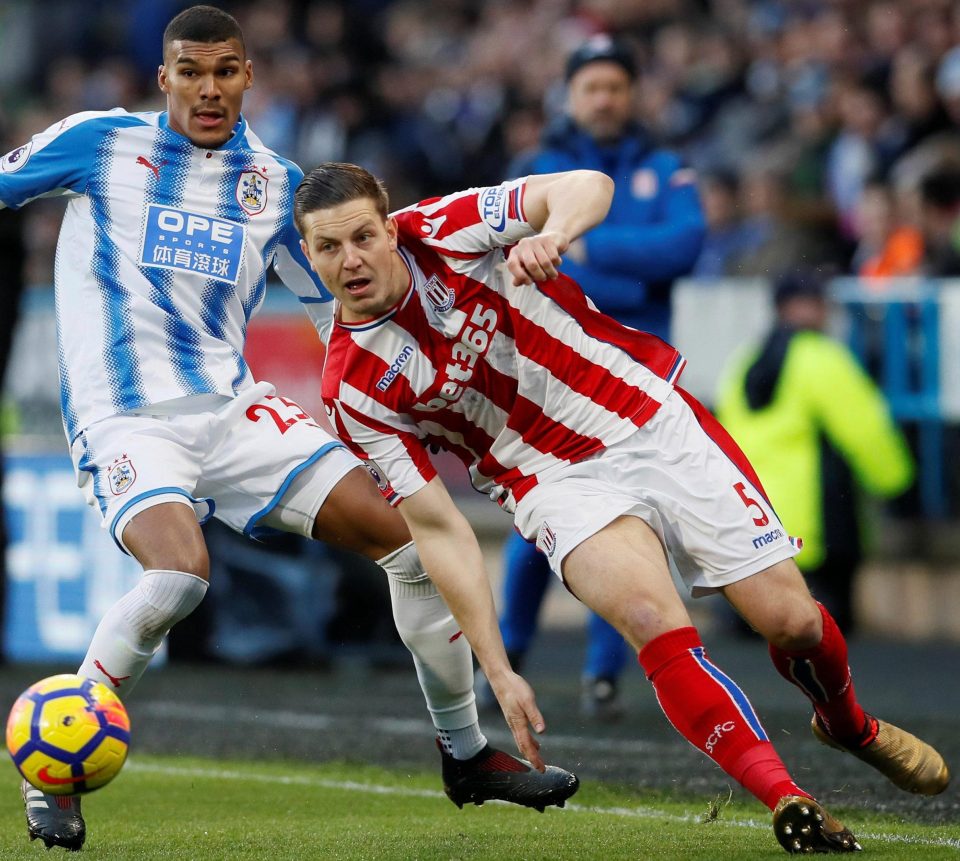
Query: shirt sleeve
x=471, y=223
x=293, y=269
x=390, y=445
x=56, y=161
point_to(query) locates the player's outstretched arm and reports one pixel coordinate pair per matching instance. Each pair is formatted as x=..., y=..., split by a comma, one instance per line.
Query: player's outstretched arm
x=561, y=207
x=451, y=556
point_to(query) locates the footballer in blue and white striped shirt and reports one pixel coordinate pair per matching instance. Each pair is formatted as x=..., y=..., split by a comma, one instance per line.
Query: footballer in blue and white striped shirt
x=173, y=219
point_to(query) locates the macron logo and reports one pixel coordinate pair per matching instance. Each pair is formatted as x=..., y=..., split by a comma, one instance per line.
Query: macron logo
x=384, y=382
x=767, y=538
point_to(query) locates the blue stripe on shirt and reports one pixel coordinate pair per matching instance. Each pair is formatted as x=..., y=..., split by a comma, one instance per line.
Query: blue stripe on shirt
x=65, y=161
x=120, y=359
x=219, y=294
x=67, y=408
x=182, y=340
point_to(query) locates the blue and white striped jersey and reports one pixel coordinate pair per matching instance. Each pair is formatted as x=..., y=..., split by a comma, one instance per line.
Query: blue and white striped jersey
x=162, y=256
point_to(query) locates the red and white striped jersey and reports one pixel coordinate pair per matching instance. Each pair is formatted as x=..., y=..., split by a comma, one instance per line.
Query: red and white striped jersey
x=512, y=380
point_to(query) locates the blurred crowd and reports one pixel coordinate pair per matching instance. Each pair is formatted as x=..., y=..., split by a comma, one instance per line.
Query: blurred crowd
x=822, y=130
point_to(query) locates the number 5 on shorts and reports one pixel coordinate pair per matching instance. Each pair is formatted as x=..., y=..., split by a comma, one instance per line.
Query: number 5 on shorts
x=750, y=502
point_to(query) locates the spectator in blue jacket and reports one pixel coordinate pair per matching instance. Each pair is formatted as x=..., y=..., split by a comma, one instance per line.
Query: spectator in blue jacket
x=627, y=266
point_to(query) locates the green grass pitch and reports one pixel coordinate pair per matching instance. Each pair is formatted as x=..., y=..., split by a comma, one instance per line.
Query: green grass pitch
x=196, y=809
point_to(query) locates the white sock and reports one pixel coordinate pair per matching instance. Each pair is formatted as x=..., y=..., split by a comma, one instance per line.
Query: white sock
x=440, y=653
x=462, y=743
x=131, y=631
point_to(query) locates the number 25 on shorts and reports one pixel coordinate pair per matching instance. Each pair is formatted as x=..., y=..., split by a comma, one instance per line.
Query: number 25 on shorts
x=750, y=502
x=276, y=410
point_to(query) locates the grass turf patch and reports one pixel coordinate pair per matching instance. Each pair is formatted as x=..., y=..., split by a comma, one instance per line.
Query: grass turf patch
x=178, y=808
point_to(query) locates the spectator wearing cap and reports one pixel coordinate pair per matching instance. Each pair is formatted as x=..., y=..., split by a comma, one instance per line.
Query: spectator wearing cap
x=819, y=433
x=627, y=265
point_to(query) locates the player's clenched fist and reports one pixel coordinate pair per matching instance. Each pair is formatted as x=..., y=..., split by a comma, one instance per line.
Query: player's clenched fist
x=537, y=258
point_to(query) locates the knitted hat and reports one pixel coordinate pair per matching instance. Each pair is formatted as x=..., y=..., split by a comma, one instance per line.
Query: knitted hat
x=601, y=47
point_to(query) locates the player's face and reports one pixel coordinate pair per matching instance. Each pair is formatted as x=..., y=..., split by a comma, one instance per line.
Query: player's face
x=204, y=83
x=600, y=99
x=354, y=252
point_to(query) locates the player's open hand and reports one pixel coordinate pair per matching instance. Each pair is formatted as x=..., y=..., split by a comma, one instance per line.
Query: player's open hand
x=520, y=709
x=537, y=258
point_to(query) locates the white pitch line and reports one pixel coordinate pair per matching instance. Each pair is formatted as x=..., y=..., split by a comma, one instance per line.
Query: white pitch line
x=411, y=792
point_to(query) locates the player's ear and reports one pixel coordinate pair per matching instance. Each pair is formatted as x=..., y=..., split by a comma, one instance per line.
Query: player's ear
x=392, y=232
x=162, y=78
x=248, y=73
x=306, y=253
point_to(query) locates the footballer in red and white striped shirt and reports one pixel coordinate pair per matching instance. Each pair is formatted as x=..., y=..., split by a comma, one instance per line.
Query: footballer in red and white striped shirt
x=513, y=379
x=455, y=328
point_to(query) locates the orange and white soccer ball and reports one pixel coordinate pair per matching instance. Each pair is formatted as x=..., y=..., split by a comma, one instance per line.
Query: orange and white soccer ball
x=68, y=735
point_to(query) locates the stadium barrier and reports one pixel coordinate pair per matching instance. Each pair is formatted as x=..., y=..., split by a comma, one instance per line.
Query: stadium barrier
x=903, y=330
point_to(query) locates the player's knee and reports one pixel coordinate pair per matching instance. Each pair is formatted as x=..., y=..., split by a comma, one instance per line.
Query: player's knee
x=793, y=628
x=639, y=622
x=355, y=517
x=414, y=600
x=159, y=600
x=191, y=558
x=167, y=537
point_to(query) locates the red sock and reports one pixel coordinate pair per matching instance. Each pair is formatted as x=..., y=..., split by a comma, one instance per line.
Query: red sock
x=708, y=709
x=823, y=674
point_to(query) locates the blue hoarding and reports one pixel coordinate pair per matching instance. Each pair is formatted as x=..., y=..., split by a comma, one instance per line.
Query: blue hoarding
x=63, y=570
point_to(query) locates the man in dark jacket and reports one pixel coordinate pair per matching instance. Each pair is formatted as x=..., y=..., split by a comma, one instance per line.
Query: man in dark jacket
x=627, y=266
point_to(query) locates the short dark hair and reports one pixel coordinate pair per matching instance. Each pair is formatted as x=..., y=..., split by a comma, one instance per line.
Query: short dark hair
x=202, y=24
x=333, y=183
x=802, y=282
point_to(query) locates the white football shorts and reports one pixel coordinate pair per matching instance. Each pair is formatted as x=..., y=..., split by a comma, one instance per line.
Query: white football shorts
x=257, y=462
x=681, y=474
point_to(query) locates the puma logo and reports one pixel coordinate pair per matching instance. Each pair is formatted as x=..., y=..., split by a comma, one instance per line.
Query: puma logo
x=114, y=680
x=154, y=167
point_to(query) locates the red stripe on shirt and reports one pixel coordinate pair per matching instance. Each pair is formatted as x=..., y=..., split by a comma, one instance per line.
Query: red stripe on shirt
x=652, y=352
x=549, y=436
x=581, y=374
x=414, y=447
x=519, y=483
x=475, y=438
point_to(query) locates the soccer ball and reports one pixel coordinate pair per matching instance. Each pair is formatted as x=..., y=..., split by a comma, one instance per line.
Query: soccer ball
x=68, y=735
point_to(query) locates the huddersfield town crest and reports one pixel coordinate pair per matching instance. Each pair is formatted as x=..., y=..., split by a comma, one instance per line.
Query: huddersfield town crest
x=122, y=475
x=252, y=192
x=440, y=296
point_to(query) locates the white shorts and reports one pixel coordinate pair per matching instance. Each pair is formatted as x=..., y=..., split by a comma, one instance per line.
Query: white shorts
x=682, y=475
x=256, y=462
